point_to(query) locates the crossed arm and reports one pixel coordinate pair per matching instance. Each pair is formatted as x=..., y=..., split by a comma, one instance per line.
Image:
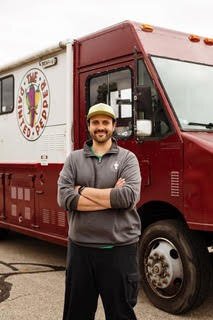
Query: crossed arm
x=93, y=199
x=124, y=194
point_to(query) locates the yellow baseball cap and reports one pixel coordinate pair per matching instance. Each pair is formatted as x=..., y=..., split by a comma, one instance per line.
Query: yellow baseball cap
x=101, y=109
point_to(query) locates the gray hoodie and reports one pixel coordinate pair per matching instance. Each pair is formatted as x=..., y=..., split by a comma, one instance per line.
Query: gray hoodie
x=119, y=225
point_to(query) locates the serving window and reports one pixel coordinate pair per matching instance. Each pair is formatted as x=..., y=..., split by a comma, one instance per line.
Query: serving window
x=6, y=94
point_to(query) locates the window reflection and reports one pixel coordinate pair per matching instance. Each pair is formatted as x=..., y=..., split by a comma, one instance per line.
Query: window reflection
x=150, y=107
x=189, y=87
x=115, y=89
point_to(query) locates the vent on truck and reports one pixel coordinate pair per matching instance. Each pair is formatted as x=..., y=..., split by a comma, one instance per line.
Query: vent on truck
x=175, y=183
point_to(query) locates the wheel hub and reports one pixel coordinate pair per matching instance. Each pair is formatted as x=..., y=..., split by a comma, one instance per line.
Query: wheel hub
x=164, y=266
x=157, y=269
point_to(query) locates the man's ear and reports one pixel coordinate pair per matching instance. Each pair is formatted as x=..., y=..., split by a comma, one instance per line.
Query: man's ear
x=114, y=125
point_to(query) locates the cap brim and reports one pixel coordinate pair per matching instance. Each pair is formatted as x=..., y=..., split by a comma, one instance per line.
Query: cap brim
x=99, y=113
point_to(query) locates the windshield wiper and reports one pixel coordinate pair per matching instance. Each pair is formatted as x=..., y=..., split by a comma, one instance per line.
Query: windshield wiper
x=207, y=125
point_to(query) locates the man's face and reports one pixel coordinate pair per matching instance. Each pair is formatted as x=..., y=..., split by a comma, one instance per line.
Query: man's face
x=101, y=128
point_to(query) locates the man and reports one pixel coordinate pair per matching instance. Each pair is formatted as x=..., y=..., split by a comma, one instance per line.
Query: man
x=100, y=185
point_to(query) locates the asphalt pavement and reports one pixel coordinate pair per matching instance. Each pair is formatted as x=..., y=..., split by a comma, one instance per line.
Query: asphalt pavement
x=32, y=275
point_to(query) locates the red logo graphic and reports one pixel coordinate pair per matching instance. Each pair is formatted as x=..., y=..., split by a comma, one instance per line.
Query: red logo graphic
x=33, y=104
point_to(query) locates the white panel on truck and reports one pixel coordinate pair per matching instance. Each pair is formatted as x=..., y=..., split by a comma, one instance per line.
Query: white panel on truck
x=35, y=132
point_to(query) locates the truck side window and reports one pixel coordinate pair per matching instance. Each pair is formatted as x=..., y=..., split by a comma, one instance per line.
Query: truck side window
x=152, y=108
x=6, y=95
x=115, y=89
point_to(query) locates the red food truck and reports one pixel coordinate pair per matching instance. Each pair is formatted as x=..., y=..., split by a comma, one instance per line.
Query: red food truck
x=160, y=84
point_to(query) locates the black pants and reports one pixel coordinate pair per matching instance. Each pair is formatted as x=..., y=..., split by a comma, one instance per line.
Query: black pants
x=112, y=273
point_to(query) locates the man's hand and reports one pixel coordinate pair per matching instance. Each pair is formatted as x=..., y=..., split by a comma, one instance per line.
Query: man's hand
x=120, y=183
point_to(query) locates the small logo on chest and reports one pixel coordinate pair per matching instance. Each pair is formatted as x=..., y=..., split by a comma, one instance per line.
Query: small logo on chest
x=115, y=166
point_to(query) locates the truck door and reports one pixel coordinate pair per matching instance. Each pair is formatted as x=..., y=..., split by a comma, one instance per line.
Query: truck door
x=20, y=198
x=160, y=153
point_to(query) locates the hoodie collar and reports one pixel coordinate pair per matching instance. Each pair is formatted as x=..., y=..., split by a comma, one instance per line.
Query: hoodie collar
x=88, y=144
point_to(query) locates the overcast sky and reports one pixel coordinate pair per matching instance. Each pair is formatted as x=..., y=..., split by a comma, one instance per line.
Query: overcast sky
x=29, y=26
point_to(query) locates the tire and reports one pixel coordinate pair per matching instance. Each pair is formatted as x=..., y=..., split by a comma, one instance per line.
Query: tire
x=175, y=266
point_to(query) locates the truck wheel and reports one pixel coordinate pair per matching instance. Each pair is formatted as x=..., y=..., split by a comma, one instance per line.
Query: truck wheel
x=174, y=265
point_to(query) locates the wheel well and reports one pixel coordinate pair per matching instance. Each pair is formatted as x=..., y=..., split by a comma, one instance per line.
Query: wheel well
x=158, y=210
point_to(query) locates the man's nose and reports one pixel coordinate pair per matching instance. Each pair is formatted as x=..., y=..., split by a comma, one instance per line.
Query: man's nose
x=101, y=127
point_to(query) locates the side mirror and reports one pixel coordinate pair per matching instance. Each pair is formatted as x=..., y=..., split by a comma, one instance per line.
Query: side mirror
x=143, y=102
x=143, y=128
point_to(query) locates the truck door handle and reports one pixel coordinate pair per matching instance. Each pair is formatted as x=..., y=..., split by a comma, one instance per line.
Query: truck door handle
x=39, y=191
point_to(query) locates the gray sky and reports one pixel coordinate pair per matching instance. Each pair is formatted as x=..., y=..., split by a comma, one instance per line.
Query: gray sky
x=28, y=26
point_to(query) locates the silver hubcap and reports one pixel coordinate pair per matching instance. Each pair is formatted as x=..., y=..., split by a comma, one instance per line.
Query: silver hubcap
x=164, y=269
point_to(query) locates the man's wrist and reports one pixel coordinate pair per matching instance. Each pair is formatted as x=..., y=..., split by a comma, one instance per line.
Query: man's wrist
x=80, y=189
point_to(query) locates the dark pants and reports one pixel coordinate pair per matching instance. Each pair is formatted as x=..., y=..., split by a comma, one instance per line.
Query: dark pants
x=112, y=273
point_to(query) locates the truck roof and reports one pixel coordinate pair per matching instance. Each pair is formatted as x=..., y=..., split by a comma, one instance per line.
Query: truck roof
x=35, y=56
x=175, y=44
x=151, y=40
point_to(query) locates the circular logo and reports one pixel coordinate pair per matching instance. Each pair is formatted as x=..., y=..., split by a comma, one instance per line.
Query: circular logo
x=33, y=104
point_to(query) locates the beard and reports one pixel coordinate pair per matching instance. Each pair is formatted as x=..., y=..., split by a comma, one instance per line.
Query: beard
x=101, y=136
